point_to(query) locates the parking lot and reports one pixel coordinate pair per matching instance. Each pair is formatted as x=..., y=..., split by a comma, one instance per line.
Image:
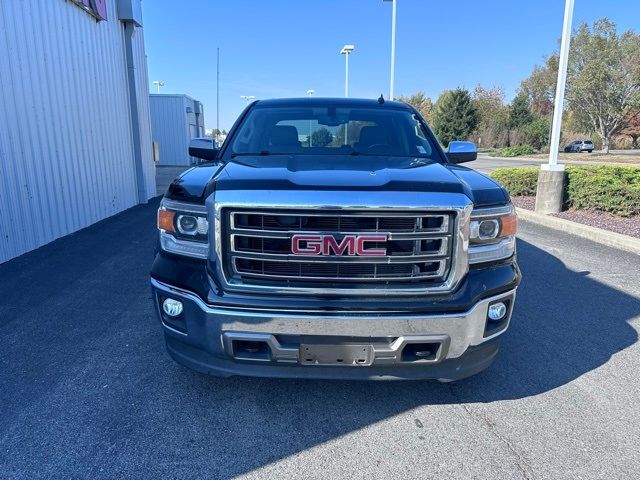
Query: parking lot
x=88, y=391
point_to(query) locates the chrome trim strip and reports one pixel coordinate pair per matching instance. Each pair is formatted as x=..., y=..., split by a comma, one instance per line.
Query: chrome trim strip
x=228, y=308
x=492, y=212
x=442, y=252
x=390, y=214
x=438, y=273
x=319, y=201
x=491, y=252
x=422, y=235
x=183, y=247
x=183, y=207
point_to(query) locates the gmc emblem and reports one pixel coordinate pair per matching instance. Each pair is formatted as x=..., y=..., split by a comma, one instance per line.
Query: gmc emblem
x=328, y=245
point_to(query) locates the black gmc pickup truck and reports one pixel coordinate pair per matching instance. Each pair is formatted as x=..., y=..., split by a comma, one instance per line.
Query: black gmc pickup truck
x=334, y=238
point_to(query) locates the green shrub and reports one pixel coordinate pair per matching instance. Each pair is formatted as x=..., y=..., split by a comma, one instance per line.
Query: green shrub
x=517, y=151
x=519, y=182
x=607, y=188
x=536, y=133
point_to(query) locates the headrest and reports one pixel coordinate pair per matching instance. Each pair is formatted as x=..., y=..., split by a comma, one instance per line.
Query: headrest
x=284, y=135
x=372, y=135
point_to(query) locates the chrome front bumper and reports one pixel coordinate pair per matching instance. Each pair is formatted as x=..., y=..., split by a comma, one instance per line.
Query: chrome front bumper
x=212, y=330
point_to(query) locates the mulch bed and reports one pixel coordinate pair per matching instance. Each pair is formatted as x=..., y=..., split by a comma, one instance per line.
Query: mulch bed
x=624, y=225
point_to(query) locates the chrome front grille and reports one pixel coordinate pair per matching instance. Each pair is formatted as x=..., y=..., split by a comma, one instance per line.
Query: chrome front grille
x=257, y=249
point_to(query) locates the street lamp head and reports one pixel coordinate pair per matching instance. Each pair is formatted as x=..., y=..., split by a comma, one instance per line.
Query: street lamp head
x=347, y=49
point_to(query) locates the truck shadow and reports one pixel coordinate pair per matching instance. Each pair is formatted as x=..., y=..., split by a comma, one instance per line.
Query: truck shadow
x=565, y=325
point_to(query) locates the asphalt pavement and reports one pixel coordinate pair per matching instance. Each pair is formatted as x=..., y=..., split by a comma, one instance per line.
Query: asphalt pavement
x=87, y=390
x=488, y=164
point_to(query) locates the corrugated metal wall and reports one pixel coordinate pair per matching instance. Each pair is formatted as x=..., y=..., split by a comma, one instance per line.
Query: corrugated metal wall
x=171, y=127
x=142, y=88
x=66, y=149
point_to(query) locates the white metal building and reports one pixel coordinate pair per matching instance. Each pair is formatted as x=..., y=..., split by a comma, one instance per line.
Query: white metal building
x=175, y=120
x=75, y=128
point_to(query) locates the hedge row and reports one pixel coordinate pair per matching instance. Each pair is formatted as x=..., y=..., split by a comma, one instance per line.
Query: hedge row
x=608, y=188
x=516, y=151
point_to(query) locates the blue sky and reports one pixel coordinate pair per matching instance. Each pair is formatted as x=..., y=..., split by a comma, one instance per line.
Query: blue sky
x=282, y=48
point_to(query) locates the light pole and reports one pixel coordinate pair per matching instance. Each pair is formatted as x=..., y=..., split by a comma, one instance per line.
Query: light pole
x=158, y=84
x=248, y=98
x=218, y=90
x=393, y=46
x=310, y=93
x=346, y=51
x=551, y=177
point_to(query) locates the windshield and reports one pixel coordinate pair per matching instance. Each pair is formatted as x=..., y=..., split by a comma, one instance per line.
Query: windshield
x=332, y=131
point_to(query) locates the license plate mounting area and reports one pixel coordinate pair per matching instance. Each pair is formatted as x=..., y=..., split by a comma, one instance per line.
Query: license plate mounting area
x=336, y=355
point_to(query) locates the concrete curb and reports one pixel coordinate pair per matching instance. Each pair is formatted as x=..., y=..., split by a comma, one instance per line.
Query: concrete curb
x=605, y=237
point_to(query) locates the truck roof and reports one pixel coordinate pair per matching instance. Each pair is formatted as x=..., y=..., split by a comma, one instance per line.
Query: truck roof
x=337, y=102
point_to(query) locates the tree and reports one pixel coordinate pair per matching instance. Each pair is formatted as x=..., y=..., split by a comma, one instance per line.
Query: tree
x=492, y=116
x=519, y=114
x=632, y=128
x=420, y=102
x=535, y=133
x=454, y=116
x=540, y=87
x=487, y=101
x=321, y=137
x=603, y=80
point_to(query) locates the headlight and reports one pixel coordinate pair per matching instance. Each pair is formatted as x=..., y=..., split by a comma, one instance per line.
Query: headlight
x=492, y=234
x=184, y=228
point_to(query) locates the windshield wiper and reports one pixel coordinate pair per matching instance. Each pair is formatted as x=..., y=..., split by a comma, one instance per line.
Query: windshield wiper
x=248, y=154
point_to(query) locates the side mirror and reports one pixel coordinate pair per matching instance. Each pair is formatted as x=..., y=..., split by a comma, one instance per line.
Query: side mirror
x=204, y=148
x=460, y=152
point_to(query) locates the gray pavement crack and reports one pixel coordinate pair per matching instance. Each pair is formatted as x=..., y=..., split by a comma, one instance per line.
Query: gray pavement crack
x=490, y=426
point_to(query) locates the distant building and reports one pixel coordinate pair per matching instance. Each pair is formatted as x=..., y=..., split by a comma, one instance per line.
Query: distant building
x=75, y=129
x=175, y=120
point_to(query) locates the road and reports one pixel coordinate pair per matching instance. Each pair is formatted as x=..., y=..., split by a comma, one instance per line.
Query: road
x=487, y=164
x=87, y=390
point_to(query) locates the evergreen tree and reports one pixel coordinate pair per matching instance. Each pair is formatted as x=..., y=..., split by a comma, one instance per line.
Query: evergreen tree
x=520, y=113
x=454, y=116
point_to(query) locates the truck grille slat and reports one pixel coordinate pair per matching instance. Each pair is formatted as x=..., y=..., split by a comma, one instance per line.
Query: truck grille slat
x=258, y=248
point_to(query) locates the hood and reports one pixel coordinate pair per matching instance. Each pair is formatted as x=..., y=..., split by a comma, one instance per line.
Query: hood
x=361, y=173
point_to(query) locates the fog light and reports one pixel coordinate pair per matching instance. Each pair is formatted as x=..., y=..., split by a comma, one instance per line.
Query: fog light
x=497, y=311
x=172, y=307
